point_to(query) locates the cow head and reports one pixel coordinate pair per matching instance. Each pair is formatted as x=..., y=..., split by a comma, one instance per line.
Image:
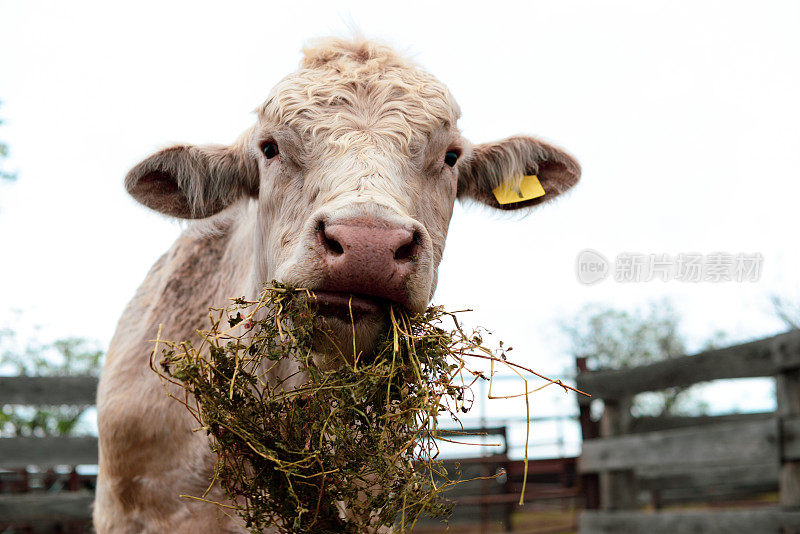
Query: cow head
x=354, y=164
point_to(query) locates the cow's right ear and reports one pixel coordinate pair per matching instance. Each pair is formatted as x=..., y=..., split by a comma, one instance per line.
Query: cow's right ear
x=193, y=182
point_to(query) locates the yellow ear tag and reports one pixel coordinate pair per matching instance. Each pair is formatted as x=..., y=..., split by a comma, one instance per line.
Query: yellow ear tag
x=529, y=188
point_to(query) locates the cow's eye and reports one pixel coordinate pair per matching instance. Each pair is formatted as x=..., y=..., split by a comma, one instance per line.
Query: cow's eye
x=270, y=150
x=450, y=158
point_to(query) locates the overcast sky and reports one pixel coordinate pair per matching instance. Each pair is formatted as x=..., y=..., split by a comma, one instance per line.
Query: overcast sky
x=684, y=116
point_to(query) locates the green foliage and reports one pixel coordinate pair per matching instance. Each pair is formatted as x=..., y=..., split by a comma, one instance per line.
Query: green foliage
x=611, y=338
x=4, y=174
x=63, y=357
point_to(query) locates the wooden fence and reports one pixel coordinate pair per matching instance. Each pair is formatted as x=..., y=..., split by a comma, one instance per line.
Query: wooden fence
x=18, y=454
x=675, y=457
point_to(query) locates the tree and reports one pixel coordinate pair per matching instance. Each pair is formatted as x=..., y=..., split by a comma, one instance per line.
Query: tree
x=63, y=357
x=611, y=338
x=4, y=174
x=787, y=310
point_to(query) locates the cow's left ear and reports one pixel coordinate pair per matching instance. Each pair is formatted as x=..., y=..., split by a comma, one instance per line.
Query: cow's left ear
x=505, y=162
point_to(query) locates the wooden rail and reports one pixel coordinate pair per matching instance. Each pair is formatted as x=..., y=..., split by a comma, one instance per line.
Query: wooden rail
x=48, y=390
x=679, y=456
x=765, y=357
x=684, y=448
x=72, y=505
x=649, y=424
x=47, y=451
x=713, y=522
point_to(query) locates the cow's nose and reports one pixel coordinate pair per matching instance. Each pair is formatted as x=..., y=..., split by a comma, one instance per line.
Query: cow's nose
x=369, y=256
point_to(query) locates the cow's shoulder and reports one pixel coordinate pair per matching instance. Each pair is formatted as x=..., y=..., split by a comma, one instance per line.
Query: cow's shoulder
x=205, y=266
x=149, y=452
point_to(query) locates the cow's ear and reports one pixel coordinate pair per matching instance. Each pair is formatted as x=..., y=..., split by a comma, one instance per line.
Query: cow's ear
x=193, y=182
x=505, y=163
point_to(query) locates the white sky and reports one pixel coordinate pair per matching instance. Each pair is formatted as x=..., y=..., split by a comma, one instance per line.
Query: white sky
x=685, y=117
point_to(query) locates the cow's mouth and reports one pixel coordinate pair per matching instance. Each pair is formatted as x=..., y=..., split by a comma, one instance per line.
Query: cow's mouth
x=350, y=323
x=348, y=307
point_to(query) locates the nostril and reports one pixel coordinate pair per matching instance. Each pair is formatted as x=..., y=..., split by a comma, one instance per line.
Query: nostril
x=330, y=244
x=408, y=251
x=333, y=245
x=405, y=252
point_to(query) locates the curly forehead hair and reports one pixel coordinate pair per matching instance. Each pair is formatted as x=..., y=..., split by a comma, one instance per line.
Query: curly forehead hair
x=349, y=92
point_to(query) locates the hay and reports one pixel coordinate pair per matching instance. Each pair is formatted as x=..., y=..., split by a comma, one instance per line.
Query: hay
x=362, y=432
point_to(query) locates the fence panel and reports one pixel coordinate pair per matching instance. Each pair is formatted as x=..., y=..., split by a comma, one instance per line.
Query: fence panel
x=703, y=457
x=20, y=510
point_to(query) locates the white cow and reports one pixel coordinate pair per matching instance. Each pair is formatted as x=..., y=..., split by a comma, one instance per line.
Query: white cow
x=345, y=185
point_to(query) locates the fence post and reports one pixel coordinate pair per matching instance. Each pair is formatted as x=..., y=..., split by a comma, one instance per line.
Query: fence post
x=588, y=427
x=589, y=482
x=788, y=392
x=617, y=488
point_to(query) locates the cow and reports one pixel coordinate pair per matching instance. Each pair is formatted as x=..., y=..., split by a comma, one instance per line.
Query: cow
x=345, y=185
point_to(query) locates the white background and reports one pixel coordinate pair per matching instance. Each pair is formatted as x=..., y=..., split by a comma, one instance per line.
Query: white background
x=684, y=116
